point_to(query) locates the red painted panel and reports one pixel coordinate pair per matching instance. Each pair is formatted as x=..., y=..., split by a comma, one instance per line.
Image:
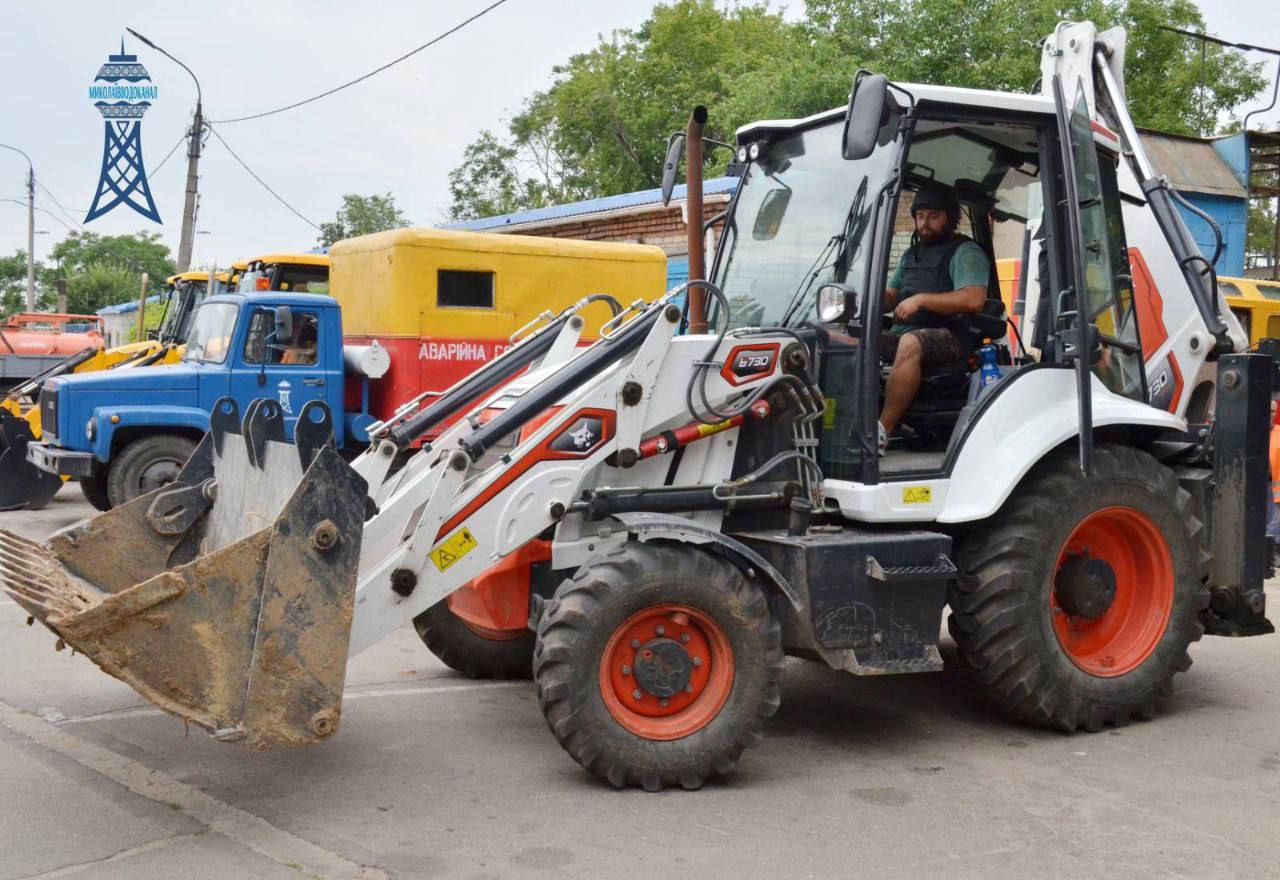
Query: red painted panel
x=1149, y=304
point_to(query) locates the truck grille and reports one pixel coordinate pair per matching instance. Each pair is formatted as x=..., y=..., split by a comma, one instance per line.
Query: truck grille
x=49, y=413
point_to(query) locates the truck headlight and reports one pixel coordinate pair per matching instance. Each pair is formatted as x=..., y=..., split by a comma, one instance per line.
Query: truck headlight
x=91, y=429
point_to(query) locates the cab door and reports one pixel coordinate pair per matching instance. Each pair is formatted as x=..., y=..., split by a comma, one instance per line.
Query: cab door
x=289, y=370
x=1098, y=311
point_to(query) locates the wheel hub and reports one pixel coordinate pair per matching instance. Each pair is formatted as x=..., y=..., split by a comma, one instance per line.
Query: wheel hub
x=666, y=671
x=1085, y=587
x=663, y=667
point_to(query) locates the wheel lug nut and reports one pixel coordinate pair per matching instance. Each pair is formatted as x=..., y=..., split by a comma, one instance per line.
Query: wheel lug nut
x=684, y=638
x=660, y=629
x=688, y=689
x=697, y=661
x=635, y=643
x=662, y=702
x=636, y=694
x=626, y=670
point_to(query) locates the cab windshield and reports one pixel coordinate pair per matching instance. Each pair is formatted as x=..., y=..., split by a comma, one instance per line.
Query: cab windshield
x=802, y=217
x=210, y=337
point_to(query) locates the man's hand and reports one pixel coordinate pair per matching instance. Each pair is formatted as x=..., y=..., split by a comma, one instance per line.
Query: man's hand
x=907, y=308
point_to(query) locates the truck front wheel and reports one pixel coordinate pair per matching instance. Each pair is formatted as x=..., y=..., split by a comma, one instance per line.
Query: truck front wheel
x=145, y=465
x=94, y=490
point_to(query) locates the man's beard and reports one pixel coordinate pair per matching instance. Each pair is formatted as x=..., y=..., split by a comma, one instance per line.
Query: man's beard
x=928, y=236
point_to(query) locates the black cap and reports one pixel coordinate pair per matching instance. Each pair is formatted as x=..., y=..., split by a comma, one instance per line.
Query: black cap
x=937, y=197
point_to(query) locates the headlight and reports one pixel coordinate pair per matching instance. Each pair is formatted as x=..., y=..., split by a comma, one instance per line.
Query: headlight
x=742, y=154
x=91, y=429
x=754, y=151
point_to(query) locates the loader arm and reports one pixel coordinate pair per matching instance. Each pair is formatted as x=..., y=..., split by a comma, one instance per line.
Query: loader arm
x=233, y=597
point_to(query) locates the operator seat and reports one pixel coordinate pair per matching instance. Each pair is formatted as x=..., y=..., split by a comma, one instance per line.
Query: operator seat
x=944, y=388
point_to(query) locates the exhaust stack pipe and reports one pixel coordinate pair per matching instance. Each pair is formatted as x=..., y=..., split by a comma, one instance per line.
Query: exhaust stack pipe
x=693, y=210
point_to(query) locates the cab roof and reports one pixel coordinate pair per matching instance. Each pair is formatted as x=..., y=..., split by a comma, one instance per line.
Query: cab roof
x=275, y=298
x=295, y=259
x=194, y=275
x=925, y=95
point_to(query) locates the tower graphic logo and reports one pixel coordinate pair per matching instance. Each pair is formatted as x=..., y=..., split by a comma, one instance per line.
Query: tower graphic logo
x=122, y=92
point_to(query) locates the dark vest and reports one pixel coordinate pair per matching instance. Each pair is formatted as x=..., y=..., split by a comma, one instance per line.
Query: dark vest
x=926, y=268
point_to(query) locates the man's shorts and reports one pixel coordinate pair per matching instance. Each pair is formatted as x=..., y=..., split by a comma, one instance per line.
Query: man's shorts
x=938, y=346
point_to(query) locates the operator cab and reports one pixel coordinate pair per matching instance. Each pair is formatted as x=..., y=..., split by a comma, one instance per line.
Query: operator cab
x=805, y=217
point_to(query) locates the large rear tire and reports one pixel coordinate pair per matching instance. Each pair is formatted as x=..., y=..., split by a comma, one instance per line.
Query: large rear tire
x=145, y=465
x=473, y=654
x=1082, y=595
x=657, y=665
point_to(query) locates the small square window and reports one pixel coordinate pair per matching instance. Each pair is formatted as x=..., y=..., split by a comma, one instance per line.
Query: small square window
x=464, y=290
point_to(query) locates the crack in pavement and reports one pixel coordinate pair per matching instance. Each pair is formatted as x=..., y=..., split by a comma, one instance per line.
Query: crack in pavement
x=240, y=826
x=128, y=852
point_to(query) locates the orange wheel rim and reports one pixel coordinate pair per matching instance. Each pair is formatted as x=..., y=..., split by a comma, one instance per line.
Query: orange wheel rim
x=1121, y=636
x=666, y=672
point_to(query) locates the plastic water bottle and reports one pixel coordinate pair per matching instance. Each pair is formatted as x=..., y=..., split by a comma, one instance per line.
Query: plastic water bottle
x=990, y=372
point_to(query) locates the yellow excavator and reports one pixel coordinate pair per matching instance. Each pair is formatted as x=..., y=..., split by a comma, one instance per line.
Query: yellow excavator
x=24, y=486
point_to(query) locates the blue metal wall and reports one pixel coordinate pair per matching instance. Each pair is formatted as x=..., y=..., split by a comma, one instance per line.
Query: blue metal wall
x=1231, y=215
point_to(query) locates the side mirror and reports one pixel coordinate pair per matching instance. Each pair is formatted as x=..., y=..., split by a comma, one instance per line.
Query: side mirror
x=675, y=149
x=867, y=111
x=284, y=323
x=838, y=303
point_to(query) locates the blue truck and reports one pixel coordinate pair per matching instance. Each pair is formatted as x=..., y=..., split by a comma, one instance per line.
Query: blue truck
x=123, y=433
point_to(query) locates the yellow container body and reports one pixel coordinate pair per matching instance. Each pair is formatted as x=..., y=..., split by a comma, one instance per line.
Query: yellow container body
x=386, y=282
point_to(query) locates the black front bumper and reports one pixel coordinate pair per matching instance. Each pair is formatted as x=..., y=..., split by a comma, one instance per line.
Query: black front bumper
x=64, y=462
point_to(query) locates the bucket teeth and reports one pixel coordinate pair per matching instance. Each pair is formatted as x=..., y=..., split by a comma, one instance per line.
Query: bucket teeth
x=35, y=580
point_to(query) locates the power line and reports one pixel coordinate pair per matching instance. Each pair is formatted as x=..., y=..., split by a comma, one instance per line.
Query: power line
x=263, y=183
x=1199, y=36
x=64, y=211
x=181, y=141
x=38, y=208
x=373, y=72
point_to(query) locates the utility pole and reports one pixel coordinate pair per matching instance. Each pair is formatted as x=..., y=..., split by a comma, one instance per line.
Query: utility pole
x=193, y=177
x=142, y=310
x=31, y=240
x=193, y=163
x=31, y=228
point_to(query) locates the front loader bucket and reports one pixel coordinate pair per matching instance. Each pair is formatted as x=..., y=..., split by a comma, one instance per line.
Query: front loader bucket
x=226, y=597
x=22, y=484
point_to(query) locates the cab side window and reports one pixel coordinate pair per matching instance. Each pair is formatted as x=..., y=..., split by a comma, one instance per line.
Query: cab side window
x=299, y=350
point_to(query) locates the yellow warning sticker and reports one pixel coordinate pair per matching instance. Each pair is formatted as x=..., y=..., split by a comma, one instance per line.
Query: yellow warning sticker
x=829, y=415
x=917, y=494
x=453, y=548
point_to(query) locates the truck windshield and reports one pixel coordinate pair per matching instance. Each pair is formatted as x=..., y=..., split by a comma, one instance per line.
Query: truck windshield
x=800, y=220
x=210, y=337
x=183, y=300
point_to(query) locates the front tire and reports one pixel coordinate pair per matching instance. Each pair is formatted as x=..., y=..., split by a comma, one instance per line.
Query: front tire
x=145, y=465
x=1082, y=595
x=94, y=490
x=656, y=665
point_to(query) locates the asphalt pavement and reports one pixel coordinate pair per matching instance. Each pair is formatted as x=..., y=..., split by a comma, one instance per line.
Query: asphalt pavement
x=433, y=775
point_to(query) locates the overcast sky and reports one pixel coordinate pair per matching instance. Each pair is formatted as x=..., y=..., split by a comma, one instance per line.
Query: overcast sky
x=401, y=131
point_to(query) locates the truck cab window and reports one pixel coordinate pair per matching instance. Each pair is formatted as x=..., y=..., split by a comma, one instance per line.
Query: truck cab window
x=299, y=350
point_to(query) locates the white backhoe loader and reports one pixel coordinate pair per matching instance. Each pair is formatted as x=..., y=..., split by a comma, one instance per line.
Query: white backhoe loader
x=714, y=501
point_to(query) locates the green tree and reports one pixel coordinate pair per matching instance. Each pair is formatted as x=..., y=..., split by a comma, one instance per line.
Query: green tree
x=361, y=215
x=13, y=284
x=101, y=270
x=601, y=126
